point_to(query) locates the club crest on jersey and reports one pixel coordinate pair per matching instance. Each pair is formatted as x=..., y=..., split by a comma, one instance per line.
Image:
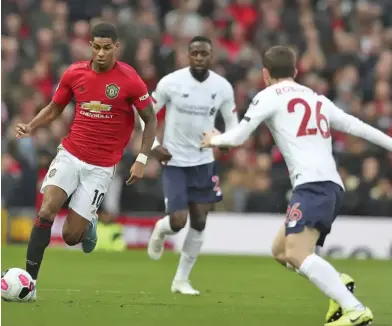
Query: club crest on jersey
x=112, y=91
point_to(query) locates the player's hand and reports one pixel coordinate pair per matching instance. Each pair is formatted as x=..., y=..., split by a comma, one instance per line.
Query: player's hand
x=136, y=173
x=23, y=130
x=161, y=154
x=206, y=142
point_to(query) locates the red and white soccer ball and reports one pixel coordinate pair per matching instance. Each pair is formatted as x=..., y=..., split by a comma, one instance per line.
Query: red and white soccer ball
x=16, y=285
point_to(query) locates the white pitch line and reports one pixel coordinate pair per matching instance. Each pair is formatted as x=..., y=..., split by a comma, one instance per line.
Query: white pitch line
x=78, y=290
x=59, y=290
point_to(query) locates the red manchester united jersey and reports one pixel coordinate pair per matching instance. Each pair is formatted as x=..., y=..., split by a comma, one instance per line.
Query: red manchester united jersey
x=104, y=115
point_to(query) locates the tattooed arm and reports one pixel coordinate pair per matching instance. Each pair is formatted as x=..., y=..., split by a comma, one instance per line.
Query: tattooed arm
x=150, y=121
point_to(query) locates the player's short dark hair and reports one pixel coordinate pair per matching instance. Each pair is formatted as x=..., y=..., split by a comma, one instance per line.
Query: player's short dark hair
x=200, y=39
x=280, y=61
x=105, y=30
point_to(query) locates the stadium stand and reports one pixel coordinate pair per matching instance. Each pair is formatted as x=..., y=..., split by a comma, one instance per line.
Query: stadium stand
x=345, y=52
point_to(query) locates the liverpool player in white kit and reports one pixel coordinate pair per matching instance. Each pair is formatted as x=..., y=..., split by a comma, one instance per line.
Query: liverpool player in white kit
x=300, y=121
x=192, y=97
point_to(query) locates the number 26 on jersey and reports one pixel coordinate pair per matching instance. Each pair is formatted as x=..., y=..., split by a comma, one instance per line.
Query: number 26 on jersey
x=322, y=122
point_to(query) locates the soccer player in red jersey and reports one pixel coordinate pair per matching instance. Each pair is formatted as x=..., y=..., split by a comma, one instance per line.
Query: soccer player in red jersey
x=106, y=92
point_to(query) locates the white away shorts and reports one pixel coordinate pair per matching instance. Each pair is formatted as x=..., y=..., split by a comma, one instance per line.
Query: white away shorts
x=86, y=182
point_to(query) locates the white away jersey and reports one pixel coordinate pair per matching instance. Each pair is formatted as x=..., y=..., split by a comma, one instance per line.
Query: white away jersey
x=300, y=122
x=191, y=108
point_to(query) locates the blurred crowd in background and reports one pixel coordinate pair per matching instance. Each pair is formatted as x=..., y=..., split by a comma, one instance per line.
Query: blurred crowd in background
x=345, y=52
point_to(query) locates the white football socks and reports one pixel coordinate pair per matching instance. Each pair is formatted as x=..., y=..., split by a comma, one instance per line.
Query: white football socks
x=164, y=226
x=190, y=250
x=327, y=279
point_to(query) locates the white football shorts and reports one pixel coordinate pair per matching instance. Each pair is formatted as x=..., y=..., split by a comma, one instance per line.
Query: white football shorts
x=86, y=182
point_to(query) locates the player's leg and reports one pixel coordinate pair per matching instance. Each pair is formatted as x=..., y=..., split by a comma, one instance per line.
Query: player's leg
x=334, y=310
x=74, y=228
x=59, y=183
x=203, y=191
x=278, y=251
x=176, y=200
x=299, y=253
x=81, y=225
x=53, y=200
x=312, y=213
x=279, y=248
x=191, y=248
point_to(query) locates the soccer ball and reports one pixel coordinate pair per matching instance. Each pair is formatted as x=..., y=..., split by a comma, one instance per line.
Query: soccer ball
x=16, y=285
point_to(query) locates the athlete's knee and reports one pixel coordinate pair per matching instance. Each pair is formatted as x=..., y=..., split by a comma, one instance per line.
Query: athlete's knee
x=199, y=224
x=54, y=198
x=279, y=255
x=178, y=220
x=47, y=212
x=291, y=256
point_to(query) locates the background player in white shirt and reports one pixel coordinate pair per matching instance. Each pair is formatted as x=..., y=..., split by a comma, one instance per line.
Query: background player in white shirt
x=300, y=122
x=192, y=97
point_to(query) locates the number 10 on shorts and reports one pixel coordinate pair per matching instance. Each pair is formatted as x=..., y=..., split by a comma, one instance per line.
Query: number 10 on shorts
x=98, y=198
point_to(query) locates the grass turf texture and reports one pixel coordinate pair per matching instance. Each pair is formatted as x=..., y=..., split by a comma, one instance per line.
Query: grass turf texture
x=122, y=289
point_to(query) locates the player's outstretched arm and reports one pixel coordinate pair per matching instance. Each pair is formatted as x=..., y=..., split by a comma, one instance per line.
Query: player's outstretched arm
x=254, y=116
x=43, y=118
x=349, y=124
x=232, y=138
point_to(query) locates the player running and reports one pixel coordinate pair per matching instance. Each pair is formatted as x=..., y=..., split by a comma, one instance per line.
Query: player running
x=192, y=96
x=106, y=92
x=300, y=121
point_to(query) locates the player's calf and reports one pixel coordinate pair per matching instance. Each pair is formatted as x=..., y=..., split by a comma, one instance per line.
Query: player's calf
x=278, y=247
x=77, y=229
x=72, y=237
x=54, y=198
x=39, y=241
x=299, y=246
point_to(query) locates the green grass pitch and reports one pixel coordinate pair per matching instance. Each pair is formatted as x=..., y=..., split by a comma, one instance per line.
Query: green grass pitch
x=126, y=289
